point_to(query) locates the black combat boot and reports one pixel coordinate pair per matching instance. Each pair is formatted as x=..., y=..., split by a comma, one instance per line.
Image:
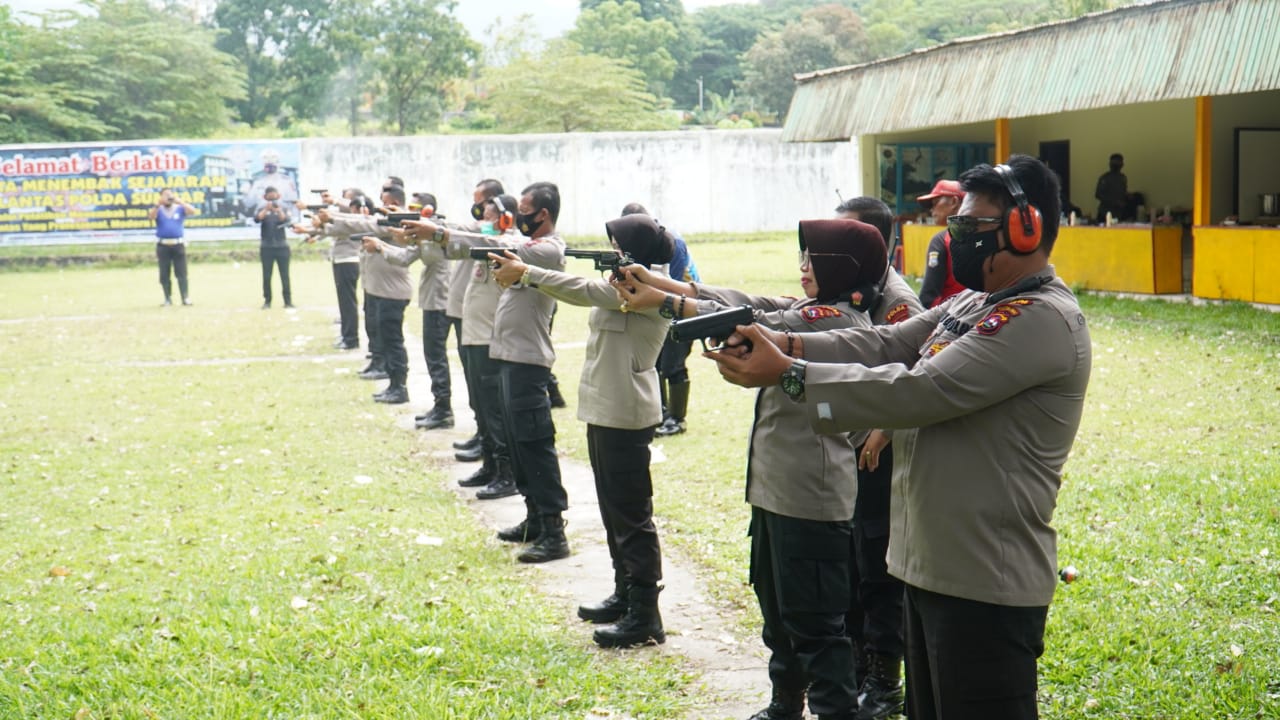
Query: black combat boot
x=481, y=477
x=611, y=609
x=882, y=694
x=784, y=705
x=470, y=443
x=375, y=370
x=641, y=625
x=551, y=544
x=441, y=416
x=395, y=394
x=678, y=397
x=526, y=531
x=502, y=485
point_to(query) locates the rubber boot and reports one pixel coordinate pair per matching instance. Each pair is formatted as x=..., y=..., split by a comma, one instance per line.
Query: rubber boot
x=611, y=609
x=641, y=625
x=882, y=695
x=678, y=394
x=784, y=705
x=551, y=544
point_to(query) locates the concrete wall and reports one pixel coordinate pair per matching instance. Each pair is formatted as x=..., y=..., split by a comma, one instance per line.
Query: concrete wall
x=695, y=181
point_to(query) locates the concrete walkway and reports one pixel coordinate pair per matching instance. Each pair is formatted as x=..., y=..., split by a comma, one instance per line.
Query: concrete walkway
x=734, y=681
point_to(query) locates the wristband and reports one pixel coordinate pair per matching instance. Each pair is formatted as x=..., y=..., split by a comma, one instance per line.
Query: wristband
x=791, y=343
x=680, y=312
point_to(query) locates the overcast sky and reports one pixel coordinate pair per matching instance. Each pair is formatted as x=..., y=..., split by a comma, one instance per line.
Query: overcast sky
x=551, y=17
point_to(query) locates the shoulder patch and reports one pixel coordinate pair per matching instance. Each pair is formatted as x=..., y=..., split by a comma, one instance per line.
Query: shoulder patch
x=1001, y=315
x=897, y=314
x=933, y=259
x=817, y=312
x=937, y=347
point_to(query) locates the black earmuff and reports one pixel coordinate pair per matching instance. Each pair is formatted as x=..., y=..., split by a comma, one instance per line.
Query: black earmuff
x=1024, y=223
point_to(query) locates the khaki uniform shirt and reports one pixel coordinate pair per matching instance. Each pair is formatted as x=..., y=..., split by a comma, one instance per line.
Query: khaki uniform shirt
x=460, y=273
x=619, y=383
x=989, y=398
x=379, y=277
x=480, y=302
x=897, y=303
x=791, y=470
x=522, y=318
x=433, y=282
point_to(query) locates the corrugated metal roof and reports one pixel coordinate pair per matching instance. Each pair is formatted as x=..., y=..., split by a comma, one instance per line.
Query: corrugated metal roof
x=1134, y=54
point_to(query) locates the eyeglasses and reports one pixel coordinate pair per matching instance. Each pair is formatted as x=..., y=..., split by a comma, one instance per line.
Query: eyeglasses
x=804, y=259
x=964, y=227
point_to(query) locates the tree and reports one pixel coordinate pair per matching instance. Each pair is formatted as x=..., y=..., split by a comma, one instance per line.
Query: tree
x=122, y=56
x=825, y=36
x=419, y=48
x=32, y=111
x=619, y=30
x=670, y=10
x=566, y=90
x=287, y=52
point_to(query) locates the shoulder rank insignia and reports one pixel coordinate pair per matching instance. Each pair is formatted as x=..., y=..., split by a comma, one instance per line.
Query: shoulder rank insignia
x=897, y=314
x=815, y=313
x=1002, y=314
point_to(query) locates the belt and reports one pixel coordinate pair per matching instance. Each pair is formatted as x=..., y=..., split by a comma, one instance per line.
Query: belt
x=169, y=241
x=342, y=261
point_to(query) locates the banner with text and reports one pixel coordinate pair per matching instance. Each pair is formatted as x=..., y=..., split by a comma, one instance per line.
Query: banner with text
x=85, y=193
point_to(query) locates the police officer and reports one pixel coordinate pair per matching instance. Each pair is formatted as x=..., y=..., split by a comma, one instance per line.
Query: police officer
x=521, y=348
x=344, y=257
x=479, y=305
x=874, y=621
x=986, y=392
x=621, y=409
x=387, y=291
x=802, y=487
x=939, y=283
x=459, y=280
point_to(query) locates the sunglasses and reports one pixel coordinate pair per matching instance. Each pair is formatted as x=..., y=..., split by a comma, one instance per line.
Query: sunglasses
x=963, y=227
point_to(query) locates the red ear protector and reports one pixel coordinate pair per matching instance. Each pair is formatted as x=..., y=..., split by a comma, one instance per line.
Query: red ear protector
x=506, y=220
x=1023, y=230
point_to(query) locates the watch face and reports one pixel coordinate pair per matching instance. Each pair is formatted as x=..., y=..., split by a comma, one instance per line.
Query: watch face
x=792, y=384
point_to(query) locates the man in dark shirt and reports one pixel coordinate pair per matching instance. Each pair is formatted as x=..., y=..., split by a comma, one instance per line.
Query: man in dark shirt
x=939, y=283
x=273, y=218
x=1112, y=191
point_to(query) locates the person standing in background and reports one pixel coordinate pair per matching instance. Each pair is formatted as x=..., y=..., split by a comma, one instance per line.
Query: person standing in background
x=171, y=247
x=274, y=247
x=1112, y=191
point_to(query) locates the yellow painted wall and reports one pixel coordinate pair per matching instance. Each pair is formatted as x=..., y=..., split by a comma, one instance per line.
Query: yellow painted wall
x=1120, y=258
x=1237, y=263
x=1156, y=139
x=915, y=245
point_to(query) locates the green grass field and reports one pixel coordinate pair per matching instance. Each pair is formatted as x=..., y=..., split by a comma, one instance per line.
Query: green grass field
x=202, y=515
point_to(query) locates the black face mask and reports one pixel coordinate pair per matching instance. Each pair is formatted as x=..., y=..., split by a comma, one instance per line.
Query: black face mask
x=477, y=210
x=968, y=254
x=526, y=225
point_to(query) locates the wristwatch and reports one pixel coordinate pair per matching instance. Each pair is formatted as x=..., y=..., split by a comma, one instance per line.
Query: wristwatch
x=668, y=309
x=792, y=380
x=438, y=237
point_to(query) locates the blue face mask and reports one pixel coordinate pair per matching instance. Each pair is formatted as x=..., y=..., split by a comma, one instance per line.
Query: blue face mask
x=488, y=228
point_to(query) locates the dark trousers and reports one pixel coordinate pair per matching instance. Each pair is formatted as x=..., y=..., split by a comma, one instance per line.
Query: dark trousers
x=279, y=257
x=671, y=361
x=345, y=278
x=172, y=258
x=874, y=620
x=971, y=660
x=531, y=435
x=435, y=331
x=484, y=394
x=624, y=489
x=371, y=331
x=800, y=572
x=387, y=318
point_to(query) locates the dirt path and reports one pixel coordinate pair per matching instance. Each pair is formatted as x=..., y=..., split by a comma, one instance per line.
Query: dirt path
x=734, y=682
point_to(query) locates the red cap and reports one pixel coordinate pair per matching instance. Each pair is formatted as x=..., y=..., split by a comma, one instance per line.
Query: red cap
x=944, y=188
